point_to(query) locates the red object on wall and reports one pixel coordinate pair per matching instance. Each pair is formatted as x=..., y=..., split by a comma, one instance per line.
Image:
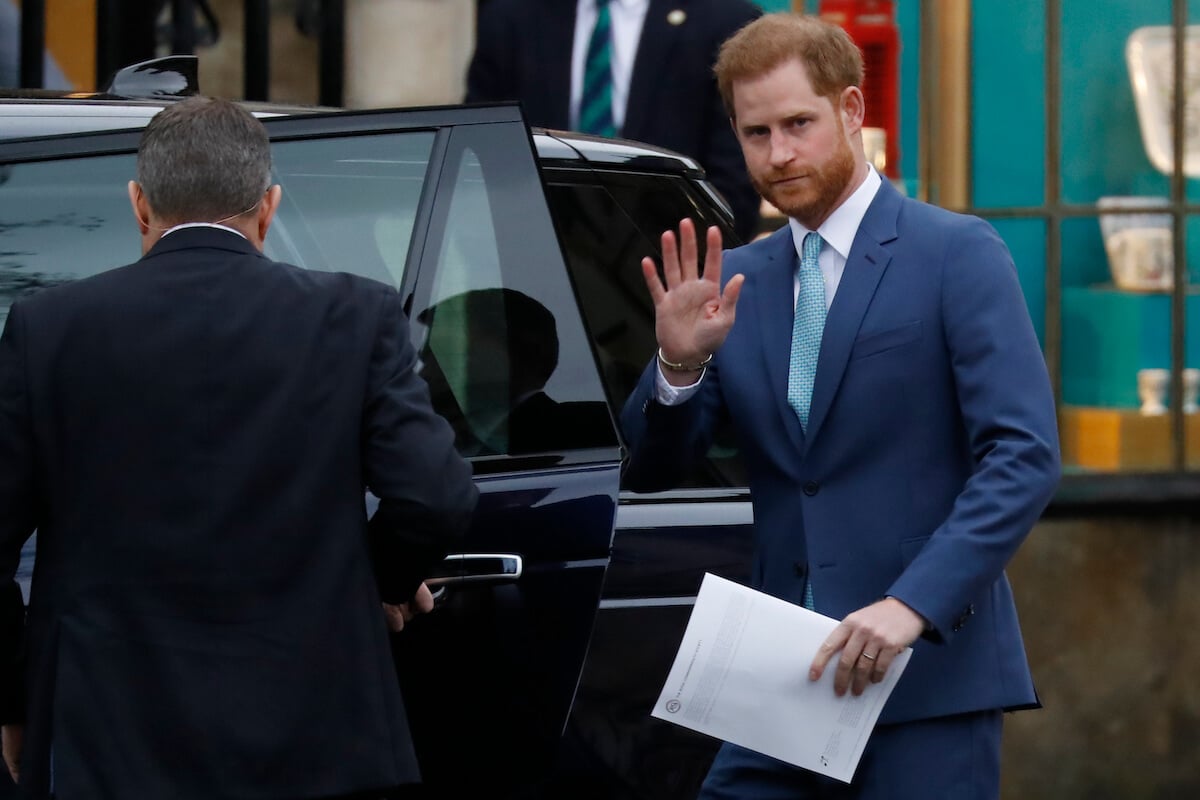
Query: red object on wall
x=872, y=26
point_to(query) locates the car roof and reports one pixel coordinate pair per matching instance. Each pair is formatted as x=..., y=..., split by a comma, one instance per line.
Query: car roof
x=23, y=117
x=137, y=92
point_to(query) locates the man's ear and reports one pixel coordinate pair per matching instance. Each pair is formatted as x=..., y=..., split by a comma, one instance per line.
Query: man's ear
x=141, y=208
x=267, y=209
x=853, y=109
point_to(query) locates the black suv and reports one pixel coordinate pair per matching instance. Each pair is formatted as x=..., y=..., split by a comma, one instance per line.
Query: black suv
x=517, y=254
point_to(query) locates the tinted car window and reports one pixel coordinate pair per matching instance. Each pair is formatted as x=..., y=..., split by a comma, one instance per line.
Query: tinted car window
x=44, y=241
x=503, y=349
x=349, y=205
x=604, y=248
x=330, y=217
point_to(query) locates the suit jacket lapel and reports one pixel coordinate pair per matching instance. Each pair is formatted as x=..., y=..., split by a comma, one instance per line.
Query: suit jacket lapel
x=775, y=309
x=554, y=36
x=654, y=52
x=865, y=266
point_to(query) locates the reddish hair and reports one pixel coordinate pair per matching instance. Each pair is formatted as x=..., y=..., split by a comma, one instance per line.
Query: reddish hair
x=830, y=57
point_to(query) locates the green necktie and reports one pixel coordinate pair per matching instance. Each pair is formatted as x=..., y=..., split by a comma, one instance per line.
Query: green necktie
x=595, y=103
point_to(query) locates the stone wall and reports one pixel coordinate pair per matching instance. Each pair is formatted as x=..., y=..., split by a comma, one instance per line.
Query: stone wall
x=397, y=53
x=1111, y=614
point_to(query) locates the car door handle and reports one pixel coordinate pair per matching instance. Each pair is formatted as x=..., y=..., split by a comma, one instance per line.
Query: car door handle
x=477, y=568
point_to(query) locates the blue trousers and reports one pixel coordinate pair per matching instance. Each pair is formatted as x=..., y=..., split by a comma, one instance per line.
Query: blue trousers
x=948, y=758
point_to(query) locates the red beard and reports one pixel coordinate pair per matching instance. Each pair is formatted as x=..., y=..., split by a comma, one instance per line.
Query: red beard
x=813, y=197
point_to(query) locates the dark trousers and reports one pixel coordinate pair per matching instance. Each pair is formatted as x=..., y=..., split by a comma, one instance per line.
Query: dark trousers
x=948, y=758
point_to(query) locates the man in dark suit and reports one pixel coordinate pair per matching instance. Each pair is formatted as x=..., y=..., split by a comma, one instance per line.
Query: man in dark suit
x=664, y=92
x=893, y=409
x=191, y=436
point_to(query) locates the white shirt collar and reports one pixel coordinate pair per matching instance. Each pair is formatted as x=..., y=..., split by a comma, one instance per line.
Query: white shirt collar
x=169, y=231
x=841, y=227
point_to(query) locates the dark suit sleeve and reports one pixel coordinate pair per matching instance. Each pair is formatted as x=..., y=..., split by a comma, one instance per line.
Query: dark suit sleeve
x=492, y=73
x=426, y=495
x=17, y=520
x=665, y=442
x=722, y=159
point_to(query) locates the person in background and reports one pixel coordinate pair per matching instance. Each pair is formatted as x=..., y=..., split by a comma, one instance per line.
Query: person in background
x=894, y=410
x=639, y=69
x=192, y=436
x=10, y=53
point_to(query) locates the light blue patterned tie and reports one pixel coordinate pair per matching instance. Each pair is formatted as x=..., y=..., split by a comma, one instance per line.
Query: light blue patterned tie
x=595, y=101
x=808, y=324
x=807, y=327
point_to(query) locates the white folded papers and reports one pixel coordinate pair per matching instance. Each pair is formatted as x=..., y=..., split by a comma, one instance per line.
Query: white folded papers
x=741, y=675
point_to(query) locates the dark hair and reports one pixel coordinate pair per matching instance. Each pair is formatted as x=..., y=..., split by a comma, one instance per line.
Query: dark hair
x=830, y=57
x=203, y=159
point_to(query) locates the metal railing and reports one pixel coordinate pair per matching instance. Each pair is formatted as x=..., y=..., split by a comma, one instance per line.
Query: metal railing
x=126, y=33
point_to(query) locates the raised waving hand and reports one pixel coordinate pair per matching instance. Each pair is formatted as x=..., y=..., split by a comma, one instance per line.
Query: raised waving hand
x=692, y=316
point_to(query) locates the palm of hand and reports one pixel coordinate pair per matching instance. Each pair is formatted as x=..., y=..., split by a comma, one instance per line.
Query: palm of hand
x=692, y=313
x=693, y=318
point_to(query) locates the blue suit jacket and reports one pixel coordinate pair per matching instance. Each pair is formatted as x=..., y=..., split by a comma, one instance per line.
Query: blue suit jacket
x=523, y=52
x=931, y=451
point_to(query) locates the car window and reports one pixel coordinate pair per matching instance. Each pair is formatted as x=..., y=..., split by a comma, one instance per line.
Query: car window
x=347, y=207
x=608, y=222
x=502, y=343
x=46, y=240
x=349, y=204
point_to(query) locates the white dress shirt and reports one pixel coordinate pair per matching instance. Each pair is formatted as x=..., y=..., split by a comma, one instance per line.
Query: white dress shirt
x=169, y=231
x=838, y=232
x=626, y=17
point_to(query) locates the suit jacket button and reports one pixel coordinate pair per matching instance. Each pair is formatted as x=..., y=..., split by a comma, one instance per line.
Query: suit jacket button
x=968, y=612
x=811, y=488
x=801, y=569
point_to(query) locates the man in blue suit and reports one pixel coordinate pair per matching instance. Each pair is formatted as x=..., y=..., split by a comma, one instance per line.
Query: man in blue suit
x=663, y=87
x=896, y=460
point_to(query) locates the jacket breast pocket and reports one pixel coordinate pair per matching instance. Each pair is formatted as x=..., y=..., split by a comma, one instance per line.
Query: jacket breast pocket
x=873, y=344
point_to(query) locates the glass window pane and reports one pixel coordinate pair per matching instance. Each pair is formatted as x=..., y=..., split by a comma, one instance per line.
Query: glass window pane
x=46, y=240
x=503, y=346
x=1116, y=347
x=349, y=204
x=1150, y=59
x=1191, y=351
x=1008, y=120
x=1103, y=150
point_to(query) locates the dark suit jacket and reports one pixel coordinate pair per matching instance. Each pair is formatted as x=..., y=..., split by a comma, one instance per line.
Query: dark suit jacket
x=191, y=436
x=523, y=52
x=931, y=451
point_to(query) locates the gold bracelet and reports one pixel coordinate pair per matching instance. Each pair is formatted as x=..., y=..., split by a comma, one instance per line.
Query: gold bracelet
x=681, y=367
